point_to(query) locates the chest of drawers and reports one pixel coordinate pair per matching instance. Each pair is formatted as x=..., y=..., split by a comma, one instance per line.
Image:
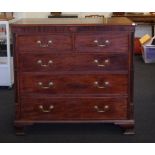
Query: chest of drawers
x=74, y=71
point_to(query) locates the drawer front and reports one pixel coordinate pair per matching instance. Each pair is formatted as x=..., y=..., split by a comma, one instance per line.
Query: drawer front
x=103, y=42
x=74, y=84
x=73, y=109
x=73, y=62
x=44, y=42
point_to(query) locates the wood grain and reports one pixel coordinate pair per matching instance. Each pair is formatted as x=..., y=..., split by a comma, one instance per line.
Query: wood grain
x=74, y=84
x=84, y=74
x=72, y=62
x=75, y=109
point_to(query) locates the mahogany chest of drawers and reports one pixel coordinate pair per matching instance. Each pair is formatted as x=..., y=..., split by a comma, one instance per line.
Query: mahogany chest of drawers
x=74, y=71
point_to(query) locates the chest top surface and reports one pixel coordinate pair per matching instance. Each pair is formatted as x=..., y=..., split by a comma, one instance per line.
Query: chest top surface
x=77, y=21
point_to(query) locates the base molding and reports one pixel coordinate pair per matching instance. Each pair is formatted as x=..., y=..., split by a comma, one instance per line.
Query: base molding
x=20, y=127
x=126, y=125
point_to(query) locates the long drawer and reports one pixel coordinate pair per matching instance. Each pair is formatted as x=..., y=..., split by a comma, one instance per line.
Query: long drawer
x=103, y=42
x=41, y=43
x=48, y=62
x=73, y=109
x=74, y=84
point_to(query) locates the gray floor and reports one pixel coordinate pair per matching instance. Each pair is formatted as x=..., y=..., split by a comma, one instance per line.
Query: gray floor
x=144, y=99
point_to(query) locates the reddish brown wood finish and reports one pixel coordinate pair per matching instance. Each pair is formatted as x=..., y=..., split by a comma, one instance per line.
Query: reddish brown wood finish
x=73, y=62
x=87, y=65
x=86, y=42
x=74, y=84
x=40, y=43
x=75, y=109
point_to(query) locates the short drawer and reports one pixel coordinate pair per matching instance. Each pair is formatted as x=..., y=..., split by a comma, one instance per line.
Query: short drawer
x=103, y=42
x=74, y=84
x=73, y=109
x=73, y=62
x=29, y=43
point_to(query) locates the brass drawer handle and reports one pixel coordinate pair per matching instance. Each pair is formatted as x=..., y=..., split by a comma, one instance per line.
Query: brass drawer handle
x=44, y=65
x=105, y=43
x=44, y=45
x=41, y=107
x=50, y=84
x=105, y=84
x=104, y=109
x=103, y=64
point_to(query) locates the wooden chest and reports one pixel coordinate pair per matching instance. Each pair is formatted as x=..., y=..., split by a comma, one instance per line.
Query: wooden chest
x=74, y=71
